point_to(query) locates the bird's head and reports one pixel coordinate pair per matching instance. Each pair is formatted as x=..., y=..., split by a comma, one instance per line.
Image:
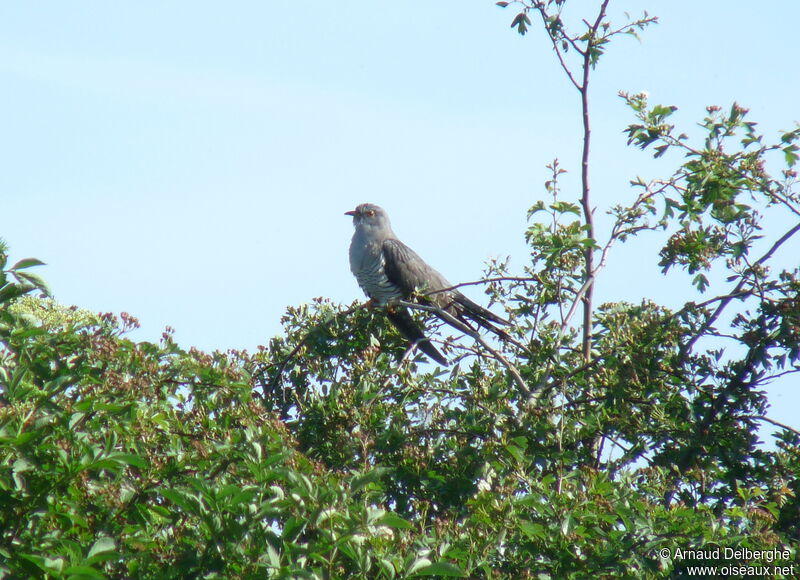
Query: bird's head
x=370, y=216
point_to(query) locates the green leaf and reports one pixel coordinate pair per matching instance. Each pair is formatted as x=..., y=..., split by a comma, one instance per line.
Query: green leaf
x=418, y=563
x=27, y=263
x=372, y=476
x=26, y=436
x=39, y=561
x=274, y=557
x=516, y=452
x=103, y=544
x=179, y=499
x=441, y=569
x=11, y=291
x=131, y=459
x=567, y=524
x=532, y=530
x=790, y=154
x=700, y=282
x=663, y=111
x=244, y=496
x=388, y=567
x=35, y=280
x=82, y=573
x=392, y=520
x=531, y=499
x=521, y=22
x=565, y=207
x=22, y=465
x=102, y=549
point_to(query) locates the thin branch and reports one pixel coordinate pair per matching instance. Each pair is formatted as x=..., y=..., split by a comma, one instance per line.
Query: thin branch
x=588, y=212
x=273, y=383
x=485, y=281
x=769, y=378
x=584, y=367
x=391, y=373
x=776, y=423
x=455, y=323
x=540, y=8
x=625, y=29
x=574, y=307
x=785, y=202
x=765, y=188
x=564, y=66
x=456, y=395
x=587, y=285
x=736, y=291
x=437, y=431
x=730, y=296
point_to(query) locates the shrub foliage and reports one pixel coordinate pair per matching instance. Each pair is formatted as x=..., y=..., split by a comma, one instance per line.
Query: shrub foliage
x=332, y=453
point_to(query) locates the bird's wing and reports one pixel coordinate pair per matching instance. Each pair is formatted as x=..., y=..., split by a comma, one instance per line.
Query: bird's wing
x=406, y=270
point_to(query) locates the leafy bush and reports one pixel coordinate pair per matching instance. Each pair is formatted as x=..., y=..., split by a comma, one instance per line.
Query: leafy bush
x=599, y=448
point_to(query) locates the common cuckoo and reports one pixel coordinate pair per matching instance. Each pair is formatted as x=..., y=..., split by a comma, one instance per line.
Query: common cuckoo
x=387, y=270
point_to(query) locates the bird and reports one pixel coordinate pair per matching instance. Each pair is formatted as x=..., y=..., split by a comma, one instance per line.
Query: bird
x=387, y=270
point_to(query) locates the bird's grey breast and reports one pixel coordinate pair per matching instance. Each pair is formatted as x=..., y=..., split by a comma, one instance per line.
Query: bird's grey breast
x=368, y=265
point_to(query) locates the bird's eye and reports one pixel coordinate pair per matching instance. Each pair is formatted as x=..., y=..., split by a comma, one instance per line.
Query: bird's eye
x=369, y=213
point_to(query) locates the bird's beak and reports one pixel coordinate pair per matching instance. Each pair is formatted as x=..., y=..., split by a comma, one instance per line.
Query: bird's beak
x=350, y=213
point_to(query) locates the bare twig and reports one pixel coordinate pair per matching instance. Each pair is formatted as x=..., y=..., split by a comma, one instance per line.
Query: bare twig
x=554, y=39
x=588, y=212
x=486, y=281
x=768, y=379
x=455, y=323
x=730, y=296
x=776, y=423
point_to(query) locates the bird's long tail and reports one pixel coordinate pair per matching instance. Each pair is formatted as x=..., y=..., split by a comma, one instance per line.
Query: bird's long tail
x=412, y=332
x=481, y=316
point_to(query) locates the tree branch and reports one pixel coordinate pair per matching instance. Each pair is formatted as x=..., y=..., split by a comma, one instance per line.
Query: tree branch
x=588, y=212
x=485, y=281
x=766, y=419
x=455, y=323
x=735, y=292
x=541, y=9
x=275, y=380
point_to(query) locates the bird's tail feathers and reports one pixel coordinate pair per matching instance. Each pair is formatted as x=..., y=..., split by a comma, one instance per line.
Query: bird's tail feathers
x=411, y=331
x=481, y=316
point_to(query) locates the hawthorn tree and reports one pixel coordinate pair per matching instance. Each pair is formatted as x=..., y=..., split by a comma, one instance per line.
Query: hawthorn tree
x=588, y=445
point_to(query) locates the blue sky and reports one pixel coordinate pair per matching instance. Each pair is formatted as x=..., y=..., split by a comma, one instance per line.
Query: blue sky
x=190, y=162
